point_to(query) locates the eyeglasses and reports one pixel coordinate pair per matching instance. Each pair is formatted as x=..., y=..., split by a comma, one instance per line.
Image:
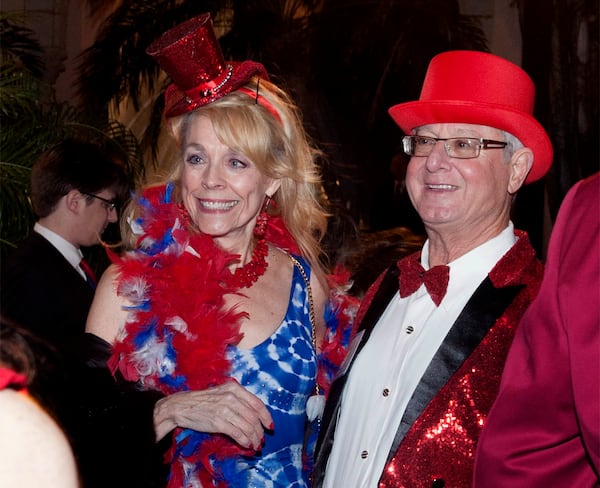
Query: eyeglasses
x=456, y=147
x=110, y=205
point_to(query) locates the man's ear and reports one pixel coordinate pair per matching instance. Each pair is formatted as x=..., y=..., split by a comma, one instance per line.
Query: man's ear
x=521, y=163
x=74, y=200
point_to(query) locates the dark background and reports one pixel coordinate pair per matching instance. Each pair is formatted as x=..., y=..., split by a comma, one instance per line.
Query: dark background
x=345, y=62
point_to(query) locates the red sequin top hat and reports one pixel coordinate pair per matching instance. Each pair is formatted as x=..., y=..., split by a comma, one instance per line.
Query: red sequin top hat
x=473, y=87
x=191, y=55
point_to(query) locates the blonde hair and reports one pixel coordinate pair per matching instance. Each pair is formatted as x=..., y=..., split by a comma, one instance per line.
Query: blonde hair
x=278, y=146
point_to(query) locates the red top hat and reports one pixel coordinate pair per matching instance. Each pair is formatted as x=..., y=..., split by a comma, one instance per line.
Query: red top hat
x=191, y=55
x=474, y=87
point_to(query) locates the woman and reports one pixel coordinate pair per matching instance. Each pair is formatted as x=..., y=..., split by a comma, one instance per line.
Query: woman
x=221, y=303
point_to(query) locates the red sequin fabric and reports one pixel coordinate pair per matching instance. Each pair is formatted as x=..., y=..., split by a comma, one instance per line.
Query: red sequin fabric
x=439, y=449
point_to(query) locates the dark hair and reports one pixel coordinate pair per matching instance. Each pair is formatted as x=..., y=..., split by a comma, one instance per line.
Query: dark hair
x=25, y=352
x=15, y=350
x=74, y=165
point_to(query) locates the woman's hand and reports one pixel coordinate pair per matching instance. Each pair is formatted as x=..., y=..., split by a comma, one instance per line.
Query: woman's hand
x=226, y=409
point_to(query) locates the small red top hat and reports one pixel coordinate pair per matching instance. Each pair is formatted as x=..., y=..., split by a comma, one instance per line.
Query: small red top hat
x=191, y=55
x=473, y=87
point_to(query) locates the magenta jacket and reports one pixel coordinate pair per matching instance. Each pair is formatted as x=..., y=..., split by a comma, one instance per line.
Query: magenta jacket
x=544, y=428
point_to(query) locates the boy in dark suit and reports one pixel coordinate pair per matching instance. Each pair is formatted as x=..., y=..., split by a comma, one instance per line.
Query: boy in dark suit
x=44, y=287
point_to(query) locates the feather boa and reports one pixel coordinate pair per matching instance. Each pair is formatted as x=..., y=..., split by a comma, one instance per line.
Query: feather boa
x=178, y=327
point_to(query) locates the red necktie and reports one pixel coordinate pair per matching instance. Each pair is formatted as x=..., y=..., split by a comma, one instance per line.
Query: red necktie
x=412, y=276
x=89, y=274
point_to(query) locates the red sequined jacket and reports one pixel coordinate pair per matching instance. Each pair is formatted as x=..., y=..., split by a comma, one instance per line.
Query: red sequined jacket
x=435, y=443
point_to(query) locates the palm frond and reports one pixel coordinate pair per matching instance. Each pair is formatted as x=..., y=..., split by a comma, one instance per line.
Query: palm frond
x=18, y=88
x=19, y=44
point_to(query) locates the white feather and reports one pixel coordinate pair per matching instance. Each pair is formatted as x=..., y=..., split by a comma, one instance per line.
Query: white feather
x=315, y=407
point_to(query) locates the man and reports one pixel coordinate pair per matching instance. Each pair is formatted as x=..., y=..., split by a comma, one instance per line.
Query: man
x=409, y=404
x=45, y=288
x=44, y=284
x=544, y=428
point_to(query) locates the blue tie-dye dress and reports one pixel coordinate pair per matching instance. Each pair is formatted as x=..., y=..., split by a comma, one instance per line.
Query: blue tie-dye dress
x=281, y=371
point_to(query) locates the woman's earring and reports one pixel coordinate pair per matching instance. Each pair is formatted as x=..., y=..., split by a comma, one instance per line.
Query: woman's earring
x=263, y=217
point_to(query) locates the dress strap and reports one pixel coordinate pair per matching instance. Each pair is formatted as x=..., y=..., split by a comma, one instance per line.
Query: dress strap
x=311, y=308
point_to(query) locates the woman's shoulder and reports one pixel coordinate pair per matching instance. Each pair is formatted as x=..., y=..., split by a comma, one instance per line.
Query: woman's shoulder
x=106, y=315
x=29, y=437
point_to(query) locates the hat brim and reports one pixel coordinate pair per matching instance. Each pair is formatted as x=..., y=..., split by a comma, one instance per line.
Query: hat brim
x=410, y=115
x=178, y=103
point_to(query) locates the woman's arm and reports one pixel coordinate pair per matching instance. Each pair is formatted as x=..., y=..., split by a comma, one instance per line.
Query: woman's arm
x=106, y=315
x=113, y=418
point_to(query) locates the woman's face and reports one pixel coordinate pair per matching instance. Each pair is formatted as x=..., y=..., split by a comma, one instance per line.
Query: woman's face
x=222, y=190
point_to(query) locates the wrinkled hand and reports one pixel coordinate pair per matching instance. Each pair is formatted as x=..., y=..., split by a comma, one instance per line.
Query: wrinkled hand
x=226, y=409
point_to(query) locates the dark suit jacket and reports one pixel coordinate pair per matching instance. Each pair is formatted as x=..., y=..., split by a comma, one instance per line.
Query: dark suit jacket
x=41, y=291
x=477, y=341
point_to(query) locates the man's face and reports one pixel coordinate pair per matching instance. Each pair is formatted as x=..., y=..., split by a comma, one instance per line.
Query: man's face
x=461, y=197
x=95, y=217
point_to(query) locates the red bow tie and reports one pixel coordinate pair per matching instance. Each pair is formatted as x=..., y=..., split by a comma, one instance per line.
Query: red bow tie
x=412, y=276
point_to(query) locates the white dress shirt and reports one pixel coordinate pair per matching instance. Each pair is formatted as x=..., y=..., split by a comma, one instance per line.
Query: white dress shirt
x=389, y=367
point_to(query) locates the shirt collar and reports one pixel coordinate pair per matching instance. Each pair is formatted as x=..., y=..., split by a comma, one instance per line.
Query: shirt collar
x=490, y=251
x=469, y=270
